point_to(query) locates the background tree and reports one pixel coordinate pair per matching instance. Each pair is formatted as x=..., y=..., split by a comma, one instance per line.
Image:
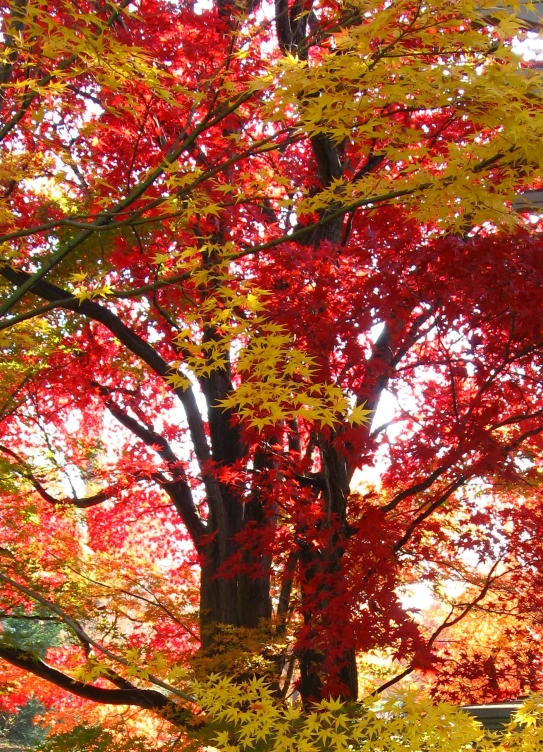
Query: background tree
x=226, y=235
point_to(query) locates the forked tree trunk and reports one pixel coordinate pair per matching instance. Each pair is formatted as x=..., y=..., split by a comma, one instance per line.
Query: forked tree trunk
x=240, y=600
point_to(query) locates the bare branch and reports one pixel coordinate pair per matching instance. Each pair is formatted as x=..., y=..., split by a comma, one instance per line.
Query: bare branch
x=447, y=624
x=147, y=699
x=178, y=488
x=25, y=472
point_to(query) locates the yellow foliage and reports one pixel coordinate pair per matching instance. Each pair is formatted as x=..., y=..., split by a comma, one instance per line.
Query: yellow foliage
x=407, y=60
x=277, y=379
x=249, y=717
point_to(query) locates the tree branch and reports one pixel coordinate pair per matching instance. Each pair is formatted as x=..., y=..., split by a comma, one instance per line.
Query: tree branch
x=442, y=498
x=84, y=503
x=282, y=25
x=83, y=636
x=148, y=355
x=124, y=334
x=183, y=143
x=417, y=488
x=148, y=699
x=490, y=579
x=177, y=489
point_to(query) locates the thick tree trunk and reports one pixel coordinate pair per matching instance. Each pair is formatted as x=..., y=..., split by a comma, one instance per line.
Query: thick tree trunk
x=237, y=601
x=218, y=600
x=324, y=566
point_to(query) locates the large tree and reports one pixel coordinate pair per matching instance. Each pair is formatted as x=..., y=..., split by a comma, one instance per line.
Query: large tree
x=226, y=233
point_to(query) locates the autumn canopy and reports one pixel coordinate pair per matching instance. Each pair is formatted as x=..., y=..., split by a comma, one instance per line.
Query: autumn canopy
x=271, y=334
